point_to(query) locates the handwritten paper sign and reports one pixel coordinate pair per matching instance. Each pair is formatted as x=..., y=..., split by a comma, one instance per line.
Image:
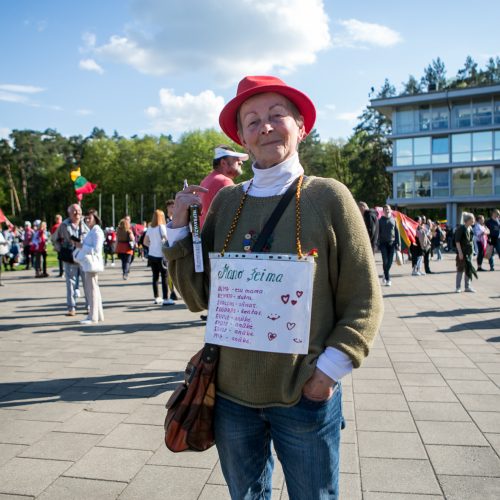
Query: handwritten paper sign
x=260, y=302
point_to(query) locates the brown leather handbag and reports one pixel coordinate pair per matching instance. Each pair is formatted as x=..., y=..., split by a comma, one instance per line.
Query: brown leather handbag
x=190, y=409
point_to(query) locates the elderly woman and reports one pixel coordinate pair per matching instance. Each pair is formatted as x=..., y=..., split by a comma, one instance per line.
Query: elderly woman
x=92, y=244
x=293, y=400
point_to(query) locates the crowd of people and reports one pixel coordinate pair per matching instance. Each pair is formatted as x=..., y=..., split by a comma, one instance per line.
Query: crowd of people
x=473, y=237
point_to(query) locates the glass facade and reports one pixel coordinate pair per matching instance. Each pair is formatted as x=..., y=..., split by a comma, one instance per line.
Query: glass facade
x=462, y=115
x=440, y=150
x=422, y=183
x=482, y=180
x=404, y=184
x=440, y=183
x=461, y=181
x=482, y=113
x=497, y=180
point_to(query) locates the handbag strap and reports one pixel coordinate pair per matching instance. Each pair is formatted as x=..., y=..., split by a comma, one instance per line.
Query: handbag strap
x=275, y=217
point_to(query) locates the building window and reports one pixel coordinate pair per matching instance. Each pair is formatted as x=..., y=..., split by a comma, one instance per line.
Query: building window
x=482, y=146
x=439, y=118
x=460, y=147
x=482, y=180
x=497, y=180
x=405, y=121
x=462, y=115
x=496, y=115
x=482, y=113
x=496, y=152
x=440, y=150
x=422, y=150
x=461, y=181
x=404, y=152
x=440, y=183
x=404, y=185
x=424, y=118
x=422, y=183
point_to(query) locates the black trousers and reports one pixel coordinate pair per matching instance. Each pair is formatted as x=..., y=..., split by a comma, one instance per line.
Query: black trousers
x=156, y=264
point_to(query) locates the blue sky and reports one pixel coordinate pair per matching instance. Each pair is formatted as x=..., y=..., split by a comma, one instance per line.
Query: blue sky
x=168, y=66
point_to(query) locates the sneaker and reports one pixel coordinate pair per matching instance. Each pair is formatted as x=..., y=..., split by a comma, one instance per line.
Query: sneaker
x=203, y=317
x=470, y=290
x=77, y=293
x=458, y=290
x=389, y=283
x=384, y=282
x=415, y=273
x=87, y=322
x=112, y=264
x=71, y=312
x=173, y=296
x=125, y=276
x=158, y=301
x=480, y=269
x=168, y=302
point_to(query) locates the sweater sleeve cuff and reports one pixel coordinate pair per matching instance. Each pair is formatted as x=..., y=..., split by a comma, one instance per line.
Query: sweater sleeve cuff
x=334, y=363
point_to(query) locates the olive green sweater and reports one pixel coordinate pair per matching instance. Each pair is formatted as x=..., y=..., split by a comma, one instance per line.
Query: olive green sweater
x=347, y=302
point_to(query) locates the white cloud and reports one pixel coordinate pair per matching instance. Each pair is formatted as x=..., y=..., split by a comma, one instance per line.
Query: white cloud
x=22, y=89
x=90, y=65
x=331, y=107
x=229, y=38
x=84, y=112
x=12, y=97
x=359, y=34
x=180, y=113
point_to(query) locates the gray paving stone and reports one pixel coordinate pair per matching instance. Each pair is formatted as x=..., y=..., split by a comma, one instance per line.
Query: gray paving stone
x=421, y=379
x=398, y=476
x=214, y=491
x=51, y=412
x=349, y=462
x=464, y=460
x=66, y=488
x=414, y=368
x=461, y=362
x=114, y=404
x=61, y=446
x=494, y=440
x=392, y=421
x=390, y=445
x=374, y=374
x=27, y=476
x=468, y=488
x=24, y=431
x=88, y=422
x=429, y=394
x=473, y=387
x=480, y=402
x=490, y=368
x=388, y=402
x=15, y=497
x=453, y=433
x=368, y=495
x=361, y=386
x=147, y=414
x=205, y=460
x=445, y=412
x=350, y=486
x=111, y=464
x=487, y=421
x=8, y=451
x=462, y=374
x=135, y=437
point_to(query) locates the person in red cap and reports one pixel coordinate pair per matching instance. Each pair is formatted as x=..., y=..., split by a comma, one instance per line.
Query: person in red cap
x=288, y=396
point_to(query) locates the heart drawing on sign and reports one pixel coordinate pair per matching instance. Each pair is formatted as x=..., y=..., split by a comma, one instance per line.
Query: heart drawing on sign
x=285, y=298
x=290, y=325
x=293, y=302
x=271, y=336
x=299, y=293
x=273, y=317
x=298, y=341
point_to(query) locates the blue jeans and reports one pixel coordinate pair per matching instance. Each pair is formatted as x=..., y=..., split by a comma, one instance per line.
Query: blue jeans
x=72, y=274
x=306, y=438
x=387, y=250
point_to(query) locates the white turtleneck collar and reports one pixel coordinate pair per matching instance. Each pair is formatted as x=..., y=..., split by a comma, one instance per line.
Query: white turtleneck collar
x=274, y=180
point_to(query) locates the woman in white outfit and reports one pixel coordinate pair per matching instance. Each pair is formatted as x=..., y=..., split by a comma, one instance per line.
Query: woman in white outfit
x=92, y=243
x=156, y=236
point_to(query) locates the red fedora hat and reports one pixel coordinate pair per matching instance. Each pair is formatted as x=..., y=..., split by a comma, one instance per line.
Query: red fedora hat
x=251, y=85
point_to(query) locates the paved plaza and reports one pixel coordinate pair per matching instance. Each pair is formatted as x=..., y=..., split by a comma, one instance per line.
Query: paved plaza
x=82, y=407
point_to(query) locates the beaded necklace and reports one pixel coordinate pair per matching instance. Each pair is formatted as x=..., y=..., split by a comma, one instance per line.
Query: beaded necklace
x=236, y=218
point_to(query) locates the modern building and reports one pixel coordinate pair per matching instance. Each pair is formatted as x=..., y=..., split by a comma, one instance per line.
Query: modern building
x=446, y=149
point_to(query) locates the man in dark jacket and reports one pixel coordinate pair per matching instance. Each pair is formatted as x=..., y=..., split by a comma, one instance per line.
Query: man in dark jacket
x=388, y=241
x=493, y=224
x=370, y=217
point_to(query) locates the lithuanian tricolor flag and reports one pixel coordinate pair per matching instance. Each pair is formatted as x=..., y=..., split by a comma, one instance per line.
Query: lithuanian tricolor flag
x=82, y=185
